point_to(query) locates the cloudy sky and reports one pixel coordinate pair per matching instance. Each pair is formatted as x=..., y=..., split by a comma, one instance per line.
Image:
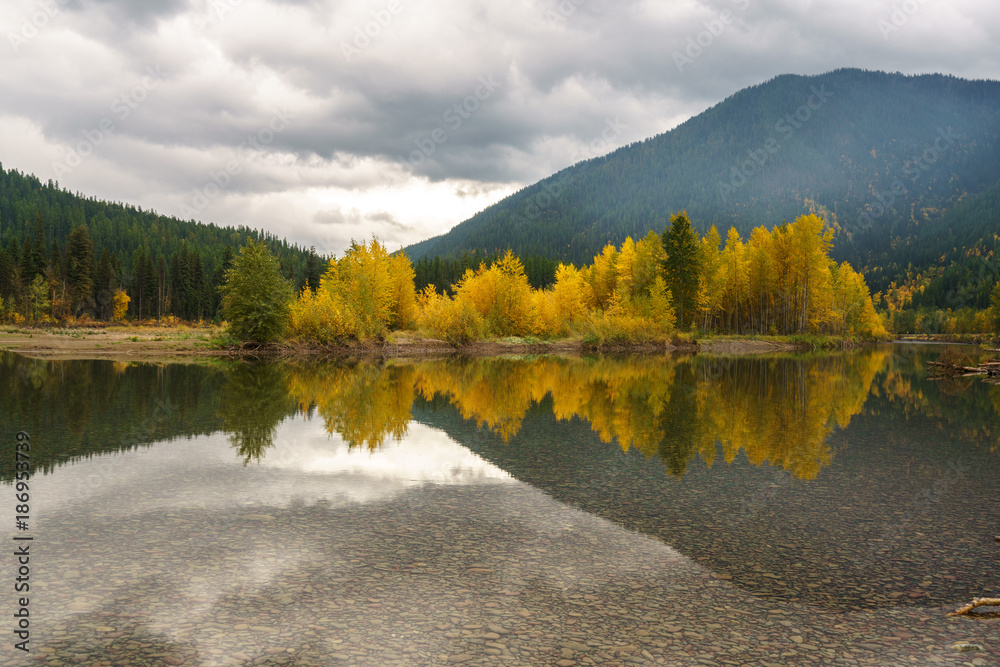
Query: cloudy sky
x=326, y=120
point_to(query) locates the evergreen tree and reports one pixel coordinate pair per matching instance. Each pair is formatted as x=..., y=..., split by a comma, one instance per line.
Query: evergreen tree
x=195, y=305
x=681, y=266
x=27, y=262
x=103, y=286
x=995, y=307
x=80, y=269
x=314, y=270
x=9, y=270
x=33, y=259
x=161, y=291
x=151, y=283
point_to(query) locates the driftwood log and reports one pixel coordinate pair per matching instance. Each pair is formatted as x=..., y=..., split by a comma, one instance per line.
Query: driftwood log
x=976, y=602
x=989, y=368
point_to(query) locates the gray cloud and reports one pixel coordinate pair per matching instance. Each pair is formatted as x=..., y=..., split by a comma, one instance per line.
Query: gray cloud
x=129, y=13
x=373, y=87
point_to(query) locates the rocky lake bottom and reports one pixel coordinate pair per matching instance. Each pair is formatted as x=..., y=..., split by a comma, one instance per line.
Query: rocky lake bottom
x=782, y=511
x=493, y=573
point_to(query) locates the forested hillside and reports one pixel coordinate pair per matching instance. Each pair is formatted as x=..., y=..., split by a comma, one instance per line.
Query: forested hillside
x=62, y=254
x=895, y=164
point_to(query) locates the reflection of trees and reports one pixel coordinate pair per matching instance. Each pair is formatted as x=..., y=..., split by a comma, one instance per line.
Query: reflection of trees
x=363, y=402
x=254, y=401
x=964, y=407
x=496, y=393
x=77, y=408
x=778, y=409
x=679, y=424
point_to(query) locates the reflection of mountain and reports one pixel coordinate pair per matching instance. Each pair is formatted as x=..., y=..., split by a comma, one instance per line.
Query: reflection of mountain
x=775, y=409
x=75, y=409
x=865, y=501
x=888, y=523
x=965, y=407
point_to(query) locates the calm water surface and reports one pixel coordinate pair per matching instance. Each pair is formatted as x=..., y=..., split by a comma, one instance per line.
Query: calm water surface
x=781, y=509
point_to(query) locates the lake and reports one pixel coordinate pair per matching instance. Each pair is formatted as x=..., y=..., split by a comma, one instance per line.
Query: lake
x=824, y=508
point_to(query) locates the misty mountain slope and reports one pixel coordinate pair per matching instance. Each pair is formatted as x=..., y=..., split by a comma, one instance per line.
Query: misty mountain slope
x=883, y=154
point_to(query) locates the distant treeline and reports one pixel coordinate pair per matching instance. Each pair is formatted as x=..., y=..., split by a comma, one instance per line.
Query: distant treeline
x=446, y=272
x=64, y=255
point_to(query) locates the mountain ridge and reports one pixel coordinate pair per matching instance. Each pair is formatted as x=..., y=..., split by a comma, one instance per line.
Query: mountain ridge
x=879, y=155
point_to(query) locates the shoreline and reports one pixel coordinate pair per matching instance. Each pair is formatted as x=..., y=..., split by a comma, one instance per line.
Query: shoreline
x=193, y=344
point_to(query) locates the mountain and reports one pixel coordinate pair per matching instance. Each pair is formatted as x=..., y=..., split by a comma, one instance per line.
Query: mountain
x=887, y=159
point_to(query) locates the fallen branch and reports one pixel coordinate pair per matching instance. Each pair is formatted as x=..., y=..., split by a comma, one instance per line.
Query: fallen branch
x=976, y=602
x=940, y=369
x=955, y=368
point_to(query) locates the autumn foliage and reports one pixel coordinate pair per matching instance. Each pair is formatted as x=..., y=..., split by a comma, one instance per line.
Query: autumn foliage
x=361, y=296
x=779, y=281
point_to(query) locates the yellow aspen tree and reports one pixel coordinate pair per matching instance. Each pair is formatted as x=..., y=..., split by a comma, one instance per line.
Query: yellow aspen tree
x=601, y=278
x=625, y=270
x=513, y=312
x=363, y=276
x=784, y=295
x=568, y=295
x=710, y=280
x=545, y=316
x=501, y=295
x=734, y=281
x=649, y=256
x=811, y=244
x=761, y=279
x=403, y=313
x=121, y=301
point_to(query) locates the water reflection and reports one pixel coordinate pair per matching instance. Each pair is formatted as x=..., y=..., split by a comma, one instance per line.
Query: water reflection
x=836, y=479
x=364, y=403
x=254, y=401
x=886, y=495
x=80, y=409
x=778, y=410
x=303, y=467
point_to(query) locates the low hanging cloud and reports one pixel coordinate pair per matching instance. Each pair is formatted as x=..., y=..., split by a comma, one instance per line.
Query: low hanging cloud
x=403, y=117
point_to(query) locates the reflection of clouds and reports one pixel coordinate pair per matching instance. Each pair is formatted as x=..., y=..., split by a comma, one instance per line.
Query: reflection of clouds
x=424, y=455
x=175, y=486
x=306, y=465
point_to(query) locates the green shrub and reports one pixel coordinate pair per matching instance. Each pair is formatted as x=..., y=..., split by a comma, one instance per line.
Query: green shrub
x=256, y=298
